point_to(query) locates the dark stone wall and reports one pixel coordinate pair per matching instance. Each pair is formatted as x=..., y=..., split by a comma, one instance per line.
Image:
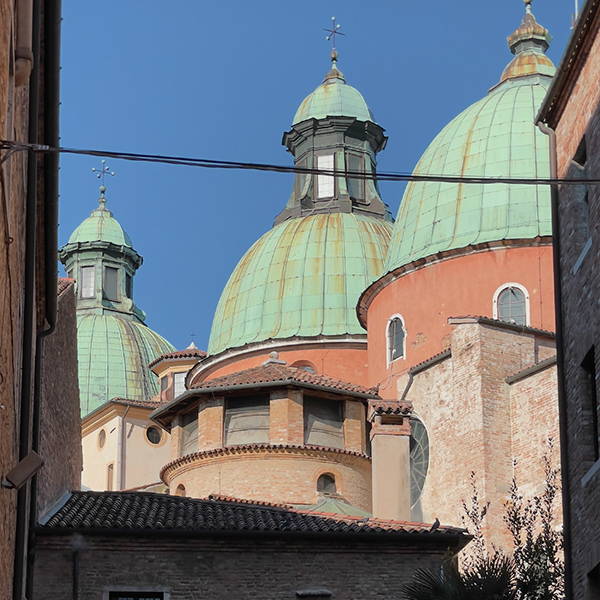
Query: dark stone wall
x=60, y=428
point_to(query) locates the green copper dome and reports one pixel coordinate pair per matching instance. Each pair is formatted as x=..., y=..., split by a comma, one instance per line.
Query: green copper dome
x=334, y=98
x=101, y=226
x=495, y=137
x=302, y=278
x=113, y=354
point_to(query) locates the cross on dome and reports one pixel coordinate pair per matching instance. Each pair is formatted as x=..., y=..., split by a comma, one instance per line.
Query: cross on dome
x=100, y=175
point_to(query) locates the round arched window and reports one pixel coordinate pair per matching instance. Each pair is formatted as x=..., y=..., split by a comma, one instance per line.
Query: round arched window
x=180, y=491
x=101, y=439
x=326, y=484
x=512, y=306
x=419, y=459
x=154, y=435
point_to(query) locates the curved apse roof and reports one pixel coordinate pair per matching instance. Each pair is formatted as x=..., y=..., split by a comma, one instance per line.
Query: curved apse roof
x=302, y=278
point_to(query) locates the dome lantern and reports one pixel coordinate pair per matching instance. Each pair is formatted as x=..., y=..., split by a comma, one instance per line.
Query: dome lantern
x=334, y=131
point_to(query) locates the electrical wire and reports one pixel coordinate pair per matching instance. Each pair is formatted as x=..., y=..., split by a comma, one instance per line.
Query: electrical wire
x=225, y=164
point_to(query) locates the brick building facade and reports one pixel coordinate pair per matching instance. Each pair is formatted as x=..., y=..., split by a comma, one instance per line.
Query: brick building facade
x=570, y=116
x=186, y=548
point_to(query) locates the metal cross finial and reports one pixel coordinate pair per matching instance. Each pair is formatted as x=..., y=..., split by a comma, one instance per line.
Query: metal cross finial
x=192, y=335
x=101, y=173
x=335, y=30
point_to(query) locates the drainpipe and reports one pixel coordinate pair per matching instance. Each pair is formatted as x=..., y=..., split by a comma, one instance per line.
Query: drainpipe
x=29, y=310
x=560, y=360
x=120, y=483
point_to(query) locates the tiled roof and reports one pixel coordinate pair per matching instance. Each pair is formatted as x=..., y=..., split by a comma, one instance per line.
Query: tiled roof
x=185, y=353
x=63, y=284
x=126, y=401
x=103, y=512
x=391, y=407
x=277, y=372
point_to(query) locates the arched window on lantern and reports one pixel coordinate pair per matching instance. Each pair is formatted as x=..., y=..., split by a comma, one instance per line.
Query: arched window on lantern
x=511, y=304
x=396, y=339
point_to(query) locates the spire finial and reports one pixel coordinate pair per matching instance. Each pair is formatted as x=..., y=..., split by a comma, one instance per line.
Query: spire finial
x=528, y=6
x=100, y=175
x=335, y=30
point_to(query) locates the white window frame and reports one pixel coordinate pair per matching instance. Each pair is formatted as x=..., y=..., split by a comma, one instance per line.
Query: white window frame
x=388, y=349
x=177, y=376
x=325, y=183
x=92, y=270
x=507, y=286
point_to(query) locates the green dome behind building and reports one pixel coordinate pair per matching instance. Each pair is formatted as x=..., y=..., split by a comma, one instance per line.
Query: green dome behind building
x=301, y=279
x=495, y=137
x=114, y=346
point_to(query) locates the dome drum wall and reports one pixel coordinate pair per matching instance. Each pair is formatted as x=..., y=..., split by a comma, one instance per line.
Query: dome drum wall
x=278, y=475
x=452, y=287
x=344, y=359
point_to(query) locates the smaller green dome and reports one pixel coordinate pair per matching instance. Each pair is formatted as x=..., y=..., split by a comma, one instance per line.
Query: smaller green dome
x=113, y=354
x=101, y=226
x=334, y=98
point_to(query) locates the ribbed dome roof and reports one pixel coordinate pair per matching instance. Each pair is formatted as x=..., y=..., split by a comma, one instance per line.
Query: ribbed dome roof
x=495, y=137
x=113, y=354
x=334, y=98
x=101, y=226
x=302, y=278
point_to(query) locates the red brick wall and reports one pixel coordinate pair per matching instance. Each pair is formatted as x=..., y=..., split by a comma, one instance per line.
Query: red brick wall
x=477, y=422
x=228, y=568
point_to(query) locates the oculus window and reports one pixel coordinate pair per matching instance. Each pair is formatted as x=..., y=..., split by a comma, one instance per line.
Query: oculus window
x=87, y=282
x=396, y=336
x=326, y=484
x=512, y=306
x=323, y=422
x=325, y=183
x=247, y=420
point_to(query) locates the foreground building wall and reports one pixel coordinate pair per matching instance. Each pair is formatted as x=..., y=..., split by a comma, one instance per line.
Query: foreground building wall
x=29, y=58
x=572, y=112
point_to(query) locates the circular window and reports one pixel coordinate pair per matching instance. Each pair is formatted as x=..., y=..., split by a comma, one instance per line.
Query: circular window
x=101, y=438
x=419, y=459
x=154, y=435
x=326, y=484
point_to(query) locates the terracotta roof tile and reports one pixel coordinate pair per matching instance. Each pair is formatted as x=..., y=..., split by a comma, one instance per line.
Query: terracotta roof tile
x=391, y=407
x=185, y=353
x=104, y=512
x=277, y=372
x=63, y=284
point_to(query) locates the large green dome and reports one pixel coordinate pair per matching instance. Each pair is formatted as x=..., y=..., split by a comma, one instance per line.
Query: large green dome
x=302, y=278
x=334, y=98
x=113, y=354
x=495, y=137
x=101, y=226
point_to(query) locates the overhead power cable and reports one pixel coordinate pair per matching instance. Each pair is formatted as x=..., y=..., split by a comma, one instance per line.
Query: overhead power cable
x=12, y=147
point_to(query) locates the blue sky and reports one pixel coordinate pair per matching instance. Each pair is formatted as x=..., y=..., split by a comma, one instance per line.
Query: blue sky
x=222, y=80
